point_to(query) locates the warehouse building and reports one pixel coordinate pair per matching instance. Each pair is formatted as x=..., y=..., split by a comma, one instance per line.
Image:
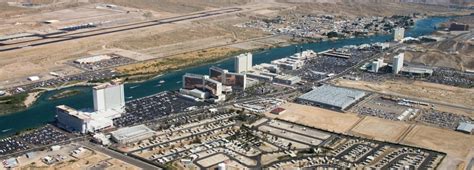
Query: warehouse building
x=466, y=128
x=92, y=59
x=287, y=79
x=335, y=98
x=132, y=134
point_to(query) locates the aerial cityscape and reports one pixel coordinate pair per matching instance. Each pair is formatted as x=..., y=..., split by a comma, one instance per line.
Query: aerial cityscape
x=236, y=84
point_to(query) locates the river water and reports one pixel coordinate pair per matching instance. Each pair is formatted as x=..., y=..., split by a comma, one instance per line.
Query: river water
x=43, y=110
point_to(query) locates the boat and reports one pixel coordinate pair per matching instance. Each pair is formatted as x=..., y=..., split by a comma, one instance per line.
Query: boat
x=178, y=82
x=159, y=75
x=162, y=81
x=129, y=97
x=6, y=130
x=158, y=85
x=133, y=87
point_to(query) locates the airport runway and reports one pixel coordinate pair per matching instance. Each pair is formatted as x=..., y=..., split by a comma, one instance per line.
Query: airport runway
x=61, y=36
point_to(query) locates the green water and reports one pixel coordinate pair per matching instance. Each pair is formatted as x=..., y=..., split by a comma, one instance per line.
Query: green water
x=43, y=111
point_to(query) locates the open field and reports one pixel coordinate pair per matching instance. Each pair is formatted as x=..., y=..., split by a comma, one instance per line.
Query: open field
x=435, y=93
x=318, y=117
x=379, y=129
x=457, y=145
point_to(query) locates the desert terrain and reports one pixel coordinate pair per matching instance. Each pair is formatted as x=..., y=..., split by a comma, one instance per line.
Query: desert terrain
x=436, y=93
x=164, y=40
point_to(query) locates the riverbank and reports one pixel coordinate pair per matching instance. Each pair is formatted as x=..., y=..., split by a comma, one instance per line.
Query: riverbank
x=64, y=94
x=173, y=79
x=149, y=69
x=11, y=104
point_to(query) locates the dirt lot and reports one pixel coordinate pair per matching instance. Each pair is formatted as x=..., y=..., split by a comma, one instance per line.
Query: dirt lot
x=418, y=90
x=380, y=129
x=88, y=159
x=454, y=52
x=457, y=145
x=319, y=118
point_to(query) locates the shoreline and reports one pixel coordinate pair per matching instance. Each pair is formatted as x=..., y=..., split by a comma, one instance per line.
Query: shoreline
x=31, y=99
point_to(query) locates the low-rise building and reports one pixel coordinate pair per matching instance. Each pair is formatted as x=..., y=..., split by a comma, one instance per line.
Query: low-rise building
x=327, y=96
x=458, y=27
x=466, y=128
x=132, y=134
x=287, y=79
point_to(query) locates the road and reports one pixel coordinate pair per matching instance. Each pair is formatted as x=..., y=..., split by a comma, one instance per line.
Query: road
x=120, y=156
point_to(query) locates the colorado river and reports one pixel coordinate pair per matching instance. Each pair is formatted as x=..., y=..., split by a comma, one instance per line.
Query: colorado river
x=43, y=110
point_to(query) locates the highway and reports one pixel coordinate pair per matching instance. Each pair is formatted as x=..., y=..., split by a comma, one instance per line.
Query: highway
x=62, y=36
x=120, y=156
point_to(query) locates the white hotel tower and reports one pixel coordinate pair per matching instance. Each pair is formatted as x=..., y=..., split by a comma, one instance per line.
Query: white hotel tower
x=109, y=103
x=108, y=96
x=243, y=63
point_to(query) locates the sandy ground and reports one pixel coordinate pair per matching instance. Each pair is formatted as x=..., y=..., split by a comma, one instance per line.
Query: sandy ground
x=435, y=93
x=457, y=145
x=177, y=61
x=318, y=117
x=379, y=129
x=31, y=98
x=212, y=160
x=88, y=159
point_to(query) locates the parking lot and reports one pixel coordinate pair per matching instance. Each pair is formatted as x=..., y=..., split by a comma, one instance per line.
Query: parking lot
x=114, y=61
x=443, y=119
x=56, y=82
x=323, y=66
x=153, y=107
x=40, y=137
x=384, y=107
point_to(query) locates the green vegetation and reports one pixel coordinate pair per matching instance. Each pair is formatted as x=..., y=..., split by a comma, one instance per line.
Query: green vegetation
x=10, y=104
x=170, y=166
x=64, y=94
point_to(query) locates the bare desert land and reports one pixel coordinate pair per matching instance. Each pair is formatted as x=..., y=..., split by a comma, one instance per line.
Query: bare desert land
x=457, y=145
x=319, y=118
x=379, y=129
x=419, y=90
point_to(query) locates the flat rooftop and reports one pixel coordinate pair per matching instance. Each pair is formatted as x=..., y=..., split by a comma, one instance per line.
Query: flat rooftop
x=465, y=127
x=333, y=96
x=107, y=85
x=417, y=70
x=131, y=132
